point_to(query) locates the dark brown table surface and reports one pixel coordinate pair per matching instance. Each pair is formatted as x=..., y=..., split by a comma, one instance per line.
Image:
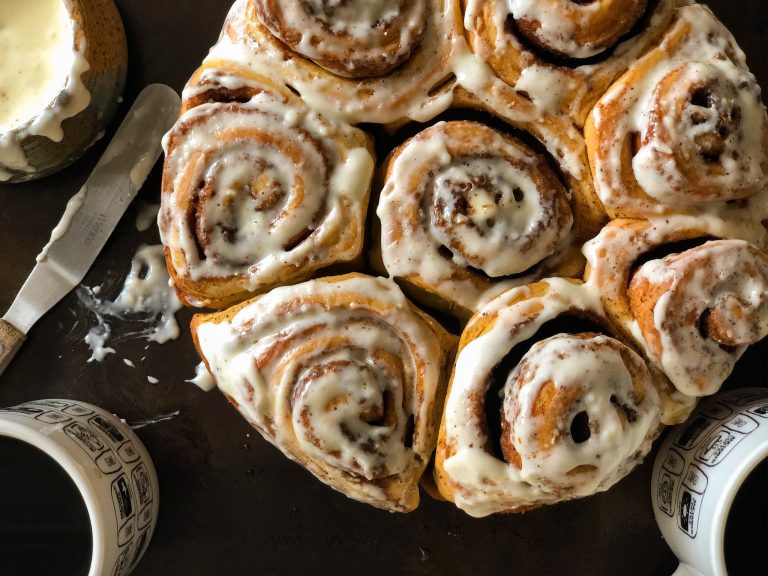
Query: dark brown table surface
x=231, y=503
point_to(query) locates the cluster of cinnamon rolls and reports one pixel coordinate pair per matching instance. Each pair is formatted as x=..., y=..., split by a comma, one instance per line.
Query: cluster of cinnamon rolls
x=582, y=187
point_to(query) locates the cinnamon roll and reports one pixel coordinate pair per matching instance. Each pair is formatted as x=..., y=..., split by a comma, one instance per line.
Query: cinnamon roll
x=693, y=306
x=579, y=409
x=342, y=374
x=225, y=81
x=684, y=130
x=379, y=62
x=467, y=212
x=354, y=39
x=560, y=54
x=260, y=193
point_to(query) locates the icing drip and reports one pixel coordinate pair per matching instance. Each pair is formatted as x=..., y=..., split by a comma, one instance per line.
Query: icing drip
x=146, y=297
x=202, y=378
x=268, y=185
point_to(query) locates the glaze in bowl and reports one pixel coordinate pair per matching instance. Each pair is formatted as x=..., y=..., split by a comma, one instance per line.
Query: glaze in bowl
x=99, y=38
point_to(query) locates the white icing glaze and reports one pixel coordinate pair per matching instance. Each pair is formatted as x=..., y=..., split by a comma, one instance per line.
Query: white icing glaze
x=725, y=278
x=350, y=29
x=270, y=171
x=485, y=484
x=35, y=54
x=147, y=216
x=73, y=206
x=556, y=30
x=544, y=86
x=147, y=297
x=482, y=204
x=305, y=371
x=593, y=371
x=708, y=54
x=40, y=70
x=202, y=378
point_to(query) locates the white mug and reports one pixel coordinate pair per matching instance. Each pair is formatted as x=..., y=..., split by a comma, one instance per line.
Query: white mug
x=699, y=469
x=109, y=466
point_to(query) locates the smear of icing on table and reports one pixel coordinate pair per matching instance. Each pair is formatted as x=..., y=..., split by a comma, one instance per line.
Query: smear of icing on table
x=202, y=378
x=147, y=297
x=155, y=420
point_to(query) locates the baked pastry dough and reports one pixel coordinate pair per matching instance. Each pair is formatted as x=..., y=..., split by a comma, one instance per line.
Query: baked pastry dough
x=383, y=62
x=578, y=409
x=467, y=212
x=342, y=374
x=683, y=131
x=260, y=193
x=692, y=293
x=487, y=187
x=560, y=54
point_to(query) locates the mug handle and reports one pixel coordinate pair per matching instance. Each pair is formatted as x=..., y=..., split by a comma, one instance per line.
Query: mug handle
x=686, y=570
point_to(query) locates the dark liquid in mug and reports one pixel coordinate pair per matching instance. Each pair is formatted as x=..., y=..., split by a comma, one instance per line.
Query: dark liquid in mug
x=746, y=532
x=44, y=524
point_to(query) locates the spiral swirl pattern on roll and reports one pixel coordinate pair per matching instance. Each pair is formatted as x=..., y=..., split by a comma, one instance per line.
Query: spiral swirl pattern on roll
x=690, y=292
x=561, y=55
x=463, y=206
x=579, y=410
x=566, y=403
x=342, y=375
x=575, y=29
x=260, y=193
x=698, y=310
x=684, y=129
x=355, y=38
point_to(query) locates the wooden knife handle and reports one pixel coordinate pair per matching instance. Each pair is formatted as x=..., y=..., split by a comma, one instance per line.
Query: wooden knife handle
x=11, y=340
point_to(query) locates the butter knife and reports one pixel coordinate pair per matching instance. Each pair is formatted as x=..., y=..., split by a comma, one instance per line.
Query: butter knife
x=92, y=214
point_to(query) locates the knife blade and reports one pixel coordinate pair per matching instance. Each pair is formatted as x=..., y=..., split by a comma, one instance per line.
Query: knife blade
x=92, y=214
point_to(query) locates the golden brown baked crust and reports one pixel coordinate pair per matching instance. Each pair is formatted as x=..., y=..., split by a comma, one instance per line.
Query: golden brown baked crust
x=683, y=131
x=519, y=463
x=673, y=285
x=467, y=211
x=518, y=47
x=342, y=374
x=250, y=202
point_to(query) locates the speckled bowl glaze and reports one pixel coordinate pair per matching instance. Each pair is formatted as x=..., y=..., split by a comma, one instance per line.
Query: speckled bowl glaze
x=100, y=37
